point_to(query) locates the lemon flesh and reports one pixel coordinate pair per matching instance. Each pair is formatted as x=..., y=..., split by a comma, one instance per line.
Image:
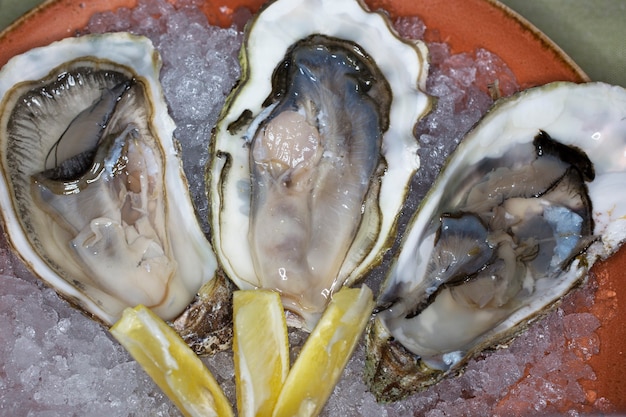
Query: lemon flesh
x=171, y=363
x=261, y=350
x=325, y=354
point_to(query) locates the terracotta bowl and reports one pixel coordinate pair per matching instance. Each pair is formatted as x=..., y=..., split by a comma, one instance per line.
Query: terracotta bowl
x=465, y=25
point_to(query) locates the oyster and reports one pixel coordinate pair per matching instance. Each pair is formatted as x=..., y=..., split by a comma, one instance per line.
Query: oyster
x=314, y=150
x=531, y=198
x=93, y=194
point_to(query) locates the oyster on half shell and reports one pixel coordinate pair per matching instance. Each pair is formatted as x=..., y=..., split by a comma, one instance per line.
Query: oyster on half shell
x=529, y=200
x=93, y=194
x=314, y=150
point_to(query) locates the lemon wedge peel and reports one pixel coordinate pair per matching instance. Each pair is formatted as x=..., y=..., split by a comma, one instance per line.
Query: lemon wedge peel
x=261, y=350
x=174, y=367
x=325, y=354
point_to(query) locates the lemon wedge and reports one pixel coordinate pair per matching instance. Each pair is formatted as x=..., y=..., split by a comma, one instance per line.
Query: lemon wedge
x=171, y=363
x=325, y=354
x=261, y=351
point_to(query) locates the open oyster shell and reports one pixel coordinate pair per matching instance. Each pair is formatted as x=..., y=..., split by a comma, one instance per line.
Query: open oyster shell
x=314, y=150
x=531, y=198
x=93, y=194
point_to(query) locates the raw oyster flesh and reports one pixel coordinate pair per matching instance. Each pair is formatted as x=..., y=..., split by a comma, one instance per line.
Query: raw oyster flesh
x=526, y=204
x=314, y=151
x=93, y=194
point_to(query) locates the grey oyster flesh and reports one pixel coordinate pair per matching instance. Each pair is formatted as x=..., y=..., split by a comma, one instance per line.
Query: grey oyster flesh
x=314, y=151
x=505, y=232
x=313, y=159
x=91, y=172
x=99, y=185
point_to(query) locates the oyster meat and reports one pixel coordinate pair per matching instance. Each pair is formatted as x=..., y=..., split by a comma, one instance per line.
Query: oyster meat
x=530, y=199
x=314, y=151
x=93, y=194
